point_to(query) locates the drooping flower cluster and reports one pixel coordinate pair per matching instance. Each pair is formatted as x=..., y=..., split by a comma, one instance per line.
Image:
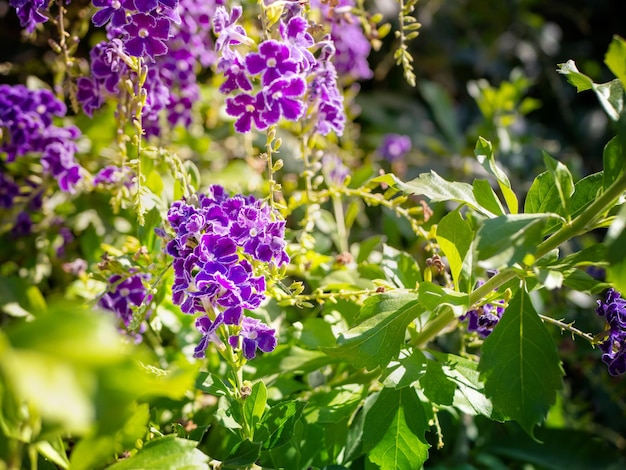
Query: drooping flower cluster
x=291, y=80
x=613, y=309
x=123, y=296
x=394, y=147
x=27, y=127
x=219, y=240
x=175, y=57
x=483, y=319
x=30, y=12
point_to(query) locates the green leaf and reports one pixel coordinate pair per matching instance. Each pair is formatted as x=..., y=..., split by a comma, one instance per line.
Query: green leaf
x=454, y=236
x=433, y=297
x=334, y=406
x=563, y=182
x=210, y=383
x=435, y=188
x=484, y=154
x=165, y=452
x=586, y=190
x=613, y=161
x=574, y=77
x=616, y=251
x=254, y=406
x=378, y=339
x=384, y=302
x=437, y=387
x=610, y=95
x=615, y=58
x=510, y=239
x=469, y=396
x=486, y=197
x=278, y=423
x=560, y=448
x=400, y=268
x=543, y=195
x=520, y=365
x=393, y=433
x=244, y=454
x=406, y=370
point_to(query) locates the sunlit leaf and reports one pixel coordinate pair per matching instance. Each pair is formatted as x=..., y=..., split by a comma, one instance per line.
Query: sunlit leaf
x=378, y=339
x=165, y=452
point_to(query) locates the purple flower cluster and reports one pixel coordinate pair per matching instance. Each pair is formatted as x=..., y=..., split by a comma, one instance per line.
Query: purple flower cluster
x=123, y=297
x=394, y=147
x=170, y=85
x=30, y=12
x=112, y=175
x=26, y=116
x=613, y=309
x=290, y=78
x=483, y=319
x=352, y=46
x=219, y=240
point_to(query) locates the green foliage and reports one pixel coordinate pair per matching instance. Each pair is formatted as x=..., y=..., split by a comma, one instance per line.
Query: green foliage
x=520, y=365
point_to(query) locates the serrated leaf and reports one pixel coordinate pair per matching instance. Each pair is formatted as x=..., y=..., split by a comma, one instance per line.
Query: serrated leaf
x=615, y=58
x=378, y=339
x=394, y=428
x=435, y=188
x=454, y=236
x=507, y=240
x=486, y=197
x=520, y=365
x=165, y=452
x=484, y=154
x=255, y=404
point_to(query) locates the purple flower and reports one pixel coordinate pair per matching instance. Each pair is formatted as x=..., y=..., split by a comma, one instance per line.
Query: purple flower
x=231, y=64
x=394, y=147
x=295, y=32
x=247, y=109
x=114, y=175
x=208, y=330
x=30, y=12
x=217, y=245
x=147, y=35
x=114, y=11
x=226, y=28
x=123, y=297
x=613, y=309
x=483, y=319
x=27, y=118
x=272, y=61
x=254, y=334
x=283, y=99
